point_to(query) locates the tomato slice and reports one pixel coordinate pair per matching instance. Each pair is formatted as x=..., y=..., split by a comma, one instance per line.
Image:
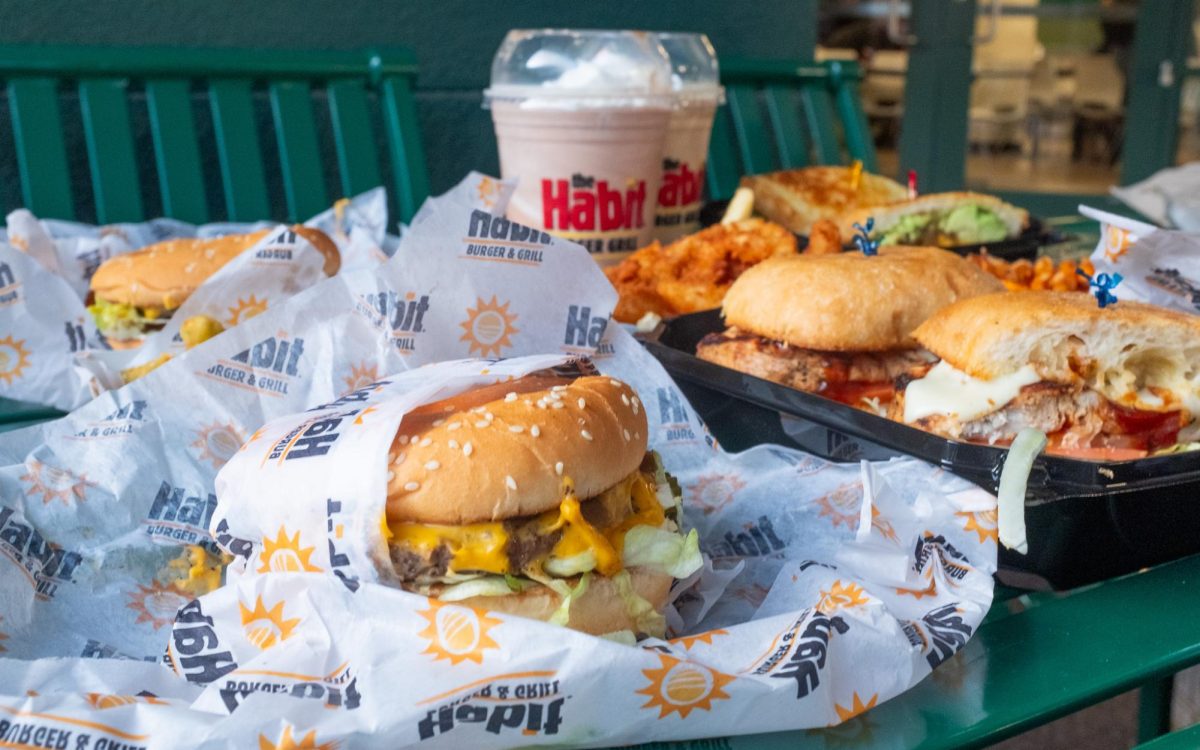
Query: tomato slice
x=1107, y=453
x=853, y=392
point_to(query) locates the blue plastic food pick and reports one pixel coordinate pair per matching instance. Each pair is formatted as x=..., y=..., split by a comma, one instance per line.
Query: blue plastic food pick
x=1104, y=283
x=863, y=238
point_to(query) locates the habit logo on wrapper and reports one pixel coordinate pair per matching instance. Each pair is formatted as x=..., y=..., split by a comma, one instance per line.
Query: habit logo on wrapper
x=585, y=332
x=402, y=317
x=584, y=205
x=679, y=196
x=674, y=416
x=121, y=422
x=339, y=689
x=46, y=565
x=54, y=484
x=10, y=290
x=841, y=596
x=524, y=703
x=1172, y=282
x=982, y=523
x=856, y=707
x=488, y=329
x=457, y=633
x=757, y=539
x=712, y=492
x=14, y=358
x=286, y=554
x=267, y=367
x=156, y=603
x=799, y=653
x=497, y=238
x=216, y=443
x=25, y=729
x=361, y=375
x=940, y=633
x=681, y=687
x=265, y=626
x=195, y=649
x=842, y=507
x=181, y=517
x=1116, y=242
x=933, y=549
x=244, y=310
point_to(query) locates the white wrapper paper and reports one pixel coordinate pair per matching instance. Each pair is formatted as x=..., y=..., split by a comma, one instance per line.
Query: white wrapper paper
x=831, y=587
x=1158, y=266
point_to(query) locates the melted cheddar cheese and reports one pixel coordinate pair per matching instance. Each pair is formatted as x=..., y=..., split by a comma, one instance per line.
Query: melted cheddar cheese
x=482, y=547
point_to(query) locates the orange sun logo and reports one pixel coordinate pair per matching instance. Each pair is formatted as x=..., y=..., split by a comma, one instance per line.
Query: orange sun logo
x=681, y=687
x=14, y=358
x=982, y=523
x=361, y=375
x=841, y=596
x=855, y=708
x=156, y=603
x=101, y=701
x=53, y=483
x=920, y=594
x=289, y=742
x=488, y=190
x=284, y=554
x=266, y=627
x=707, y=636
x=216, y=443
x=715, y=491
x=489, y=327
x=841, y=505
x=457, y=633
x=1116, y=242
x=245, y=309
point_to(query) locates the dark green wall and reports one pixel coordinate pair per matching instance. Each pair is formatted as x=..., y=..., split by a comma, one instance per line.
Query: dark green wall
x=453, y=40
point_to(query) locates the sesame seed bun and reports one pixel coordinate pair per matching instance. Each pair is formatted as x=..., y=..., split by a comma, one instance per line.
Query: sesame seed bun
x=163, y=275
x=503, y=451
x=850, y=301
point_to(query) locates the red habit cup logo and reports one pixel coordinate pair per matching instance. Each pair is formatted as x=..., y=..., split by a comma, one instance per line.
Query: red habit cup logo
x=585, y=204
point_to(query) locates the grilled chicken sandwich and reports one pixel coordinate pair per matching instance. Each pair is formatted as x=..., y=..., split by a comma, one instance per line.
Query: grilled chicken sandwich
x=940, y=219
x=1114, y=383
x=840, y=325
x=134, y=294
x=797, y=198
x=537, y=497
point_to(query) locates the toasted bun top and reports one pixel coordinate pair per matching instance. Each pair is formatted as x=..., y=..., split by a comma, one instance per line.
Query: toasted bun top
x=1068, y=338
x=165, y=274
x=796, y=198
x=478, y=457
x=1015, y=219
x=849, y=301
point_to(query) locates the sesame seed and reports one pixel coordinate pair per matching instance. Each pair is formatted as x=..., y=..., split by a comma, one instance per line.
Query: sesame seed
x=617, y=383
x=432, y=466
x=404, y=439
x=635, y=405
x=541, y=403
x=528, y=402
x=558, y=467
x=557, y=404
x=189, y=268
x=535, y=430
x=467, y=449
x=626, y=436
x=439, y=422
x=412, y=486
x=510, y=396
x=510, y=483
x=558, y=388
x=426, y=442
x=453, y=444
x=482, y=423
x=624, y=399
x=454, y=425
x=586, y=435
x=479, y=410
x=391, y=476
x=582, y=404
x=515, y=428
x=489, y=416
x=400, y=458
x=555, y=396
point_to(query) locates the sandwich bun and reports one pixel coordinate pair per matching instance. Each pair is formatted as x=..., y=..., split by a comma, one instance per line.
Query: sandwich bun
x=1015, y=219
x=491, y=453
x=163, y=275
x=598, y=611
x=850, y=301
x=798, y=198
x=1068, y=338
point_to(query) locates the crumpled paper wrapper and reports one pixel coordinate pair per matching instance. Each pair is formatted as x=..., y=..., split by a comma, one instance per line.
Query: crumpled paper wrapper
x=1169, y=197
x=1158, y=266
x=830, y=589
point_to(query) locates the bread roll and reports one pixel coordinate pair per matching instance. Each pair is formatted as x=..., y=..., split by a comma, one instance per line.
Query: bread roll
x=797, y=198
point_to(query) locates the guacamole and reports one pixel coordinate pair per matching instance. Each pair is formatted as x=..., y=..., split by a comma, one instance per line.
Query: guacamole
x=967, y=224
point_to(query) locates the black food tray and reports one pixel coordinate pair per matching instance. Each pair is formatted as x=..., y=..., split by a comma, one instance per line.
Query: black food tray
x=1085, y=520
x=1024, y=246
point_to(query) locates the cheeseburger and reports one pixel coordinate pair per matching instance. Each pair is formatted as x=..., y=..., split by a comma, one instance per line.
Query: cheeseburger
x=537, y=497
x=134, y=294
x=1114, y=383
x=840, y=325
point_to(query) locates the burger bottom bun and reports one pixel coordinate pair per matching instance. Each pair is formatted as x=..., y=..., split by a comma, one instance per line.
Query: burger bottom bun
x=600, y=610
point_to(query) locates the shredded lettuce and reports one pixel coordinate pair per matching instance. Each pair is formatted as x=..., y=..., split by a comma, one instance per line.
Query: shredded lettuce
x=645, y=617
x=662, y=550
x=123, y=321
x=565, y=567
x=669, y=494
x=482, y=586
x=624, y=637
x=562, y=615
x=1177, y=448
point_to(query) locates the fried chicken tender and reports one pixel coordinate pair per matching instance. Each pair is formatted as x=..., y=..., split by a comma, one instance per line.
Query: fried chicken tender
x=694, y=272
x=824, y=239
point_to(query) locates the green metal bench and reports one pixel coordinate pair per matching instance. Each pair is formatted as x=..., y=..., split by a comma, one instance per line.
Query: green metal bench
x=786, y=114
x=231, y=91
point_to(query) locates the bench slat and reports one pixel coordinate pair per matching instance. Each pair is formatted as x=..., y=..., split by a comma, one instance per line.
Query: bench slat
x=176, y=151
x=299, y=153
x=818, y=113
x=109, y=139
x=723, y=168
x=754, y=142
x=784, y=112
x=238, y=152
x=41, y=152
x=404, y=145
x=857, y=132
x=353, y=137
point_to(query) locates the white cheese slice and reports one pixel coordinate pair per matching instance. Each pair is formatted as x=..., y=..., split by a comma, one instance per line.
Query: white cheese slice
x=945, y=390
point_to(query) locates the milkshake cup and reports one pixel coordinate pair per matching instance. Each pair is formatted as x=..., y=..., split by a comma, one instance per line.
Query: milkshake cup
x=581, y=121
x=695, y=80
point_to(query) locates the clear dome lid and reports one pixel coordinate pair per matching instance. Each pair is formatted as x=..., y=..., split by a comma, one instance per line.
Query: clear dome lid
x=582, y=67
x=695, y=74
